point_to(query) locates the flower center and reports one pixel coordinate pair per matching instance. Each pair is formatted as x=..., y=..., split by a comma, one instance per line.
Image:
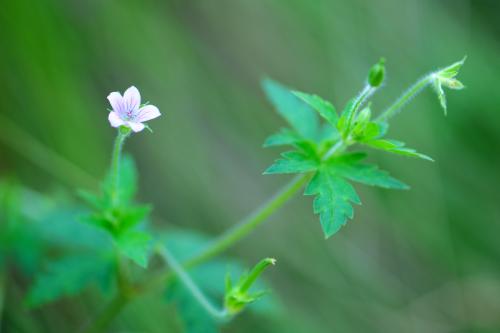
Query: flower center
x=130, y=115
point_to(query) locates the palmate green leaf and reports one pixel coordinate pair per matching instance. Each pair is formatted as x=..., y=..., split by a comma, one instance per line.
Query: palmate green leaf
x=395, y=147
x=324, y=108
x=135, y=245
x=335, y=195
x=69, y=276
x=299, y=114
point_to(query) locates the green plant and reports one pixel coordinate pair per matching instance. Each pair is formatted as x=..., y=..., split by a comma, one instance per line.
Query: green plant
x=324, y=155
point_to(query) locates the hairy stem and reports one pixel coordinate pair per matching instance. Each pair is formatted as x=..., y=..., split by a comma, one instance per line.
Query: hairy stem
x=248, y=224
x=115, y=164
x=406, y=97
x=191, y=285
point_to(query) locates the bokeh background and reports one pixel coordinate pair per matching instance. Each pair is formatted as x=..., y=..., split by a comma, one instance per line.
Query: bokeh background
x=425, y=260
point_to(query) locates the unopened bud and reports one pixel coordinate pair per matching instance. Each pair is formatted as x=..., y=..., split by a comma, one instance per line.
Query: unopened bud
x=377, y=74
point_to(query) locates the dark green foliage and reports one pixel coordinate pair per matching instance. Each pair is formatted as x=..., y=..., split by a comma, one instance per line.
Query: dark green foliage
x=20, y=245
x=69, y=276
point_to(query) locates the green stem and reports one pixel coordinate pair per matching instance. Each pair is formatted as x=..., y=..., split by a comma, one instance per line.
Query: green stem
x=243, y=228
x=191, y=285
x=248, y=224
x=115, y=163
x=256, y=272
x=360, y=100
x=406, y=97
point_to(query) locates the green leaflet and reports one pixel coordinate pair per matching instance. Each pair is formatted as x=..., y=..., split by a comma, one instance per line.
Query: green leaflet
x=333, y=200
x=298, y=114
x=294, y=162
x=324, y=108
x=350, y=167
x=395, y=147
x=68, y=277
x=438, y=88
x=335, y=195
x=446, y=77
x=284, y=137
x=136, y=245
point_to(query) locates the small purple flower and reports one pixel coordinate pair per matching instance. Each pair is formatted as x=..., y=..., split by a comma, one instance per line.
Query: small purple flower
x=127, y=110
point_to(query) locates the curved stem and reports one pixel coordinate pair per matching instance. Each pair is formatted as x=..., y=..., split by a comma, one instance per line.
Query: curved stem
x=191, y=285
x=360, y=100
x=248, y=224
x=406, y=97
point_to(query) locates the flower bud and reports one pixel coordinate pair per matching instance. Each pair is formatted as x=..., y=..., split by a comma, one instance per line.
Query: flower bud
x=377, y=74
x=238, y=296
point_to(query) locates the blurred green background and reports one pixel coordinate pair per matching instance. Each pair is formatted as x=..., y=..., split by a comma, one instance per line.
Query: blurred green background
x=425, y=260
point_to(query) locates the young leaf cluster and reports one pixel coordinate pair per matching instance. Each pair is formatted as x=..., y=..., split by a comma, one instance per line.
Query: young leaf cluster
x=115, y=211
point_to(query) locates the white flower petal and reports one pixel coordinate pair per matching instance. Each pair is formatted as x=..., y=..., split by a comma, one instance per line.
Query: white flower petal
x=136, y=127
x=115, y=120
x=147, y=112
x=116, y=101
x=132, y=99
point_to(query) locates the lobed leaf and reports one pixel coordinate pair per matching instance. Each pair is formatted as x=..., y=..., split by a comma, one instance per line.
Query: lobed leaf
x=284, y=137
x=349, y=167
x=333, y=199
x=324, y=108
x=299, y=115
x=335, y=195
x=395, y=147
